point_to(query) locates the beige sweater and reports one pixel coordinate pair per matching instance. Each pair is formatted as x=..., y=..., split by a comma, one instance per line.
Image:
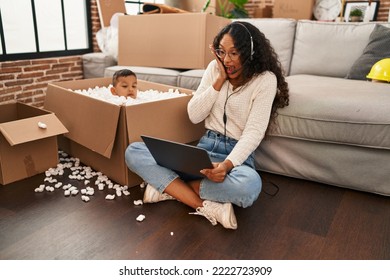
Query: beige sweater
x=248, y=110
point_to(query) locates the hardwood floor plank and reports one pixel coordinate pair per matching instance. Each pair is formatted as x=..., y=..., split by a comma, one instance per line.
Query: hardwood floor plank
x=361, y=228
x=304, y=220
x=312, y=213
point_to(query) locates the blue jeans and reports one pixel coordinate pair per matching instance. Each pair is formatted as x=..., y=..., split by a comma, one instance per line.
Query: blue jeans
x=241, y=186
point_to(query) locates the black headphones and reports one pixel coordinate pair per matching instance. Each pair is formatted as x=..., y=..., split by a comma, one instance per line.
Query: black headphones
x=227, y=95
x=250, y=35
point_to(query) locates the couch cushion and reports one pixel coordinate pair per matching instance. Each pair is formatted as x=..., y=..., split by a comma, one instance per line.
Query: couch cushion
x=281, y=33
x=152, y=74
x=95, y=63
x=337, y=110
x=377, y=48
x=190, y=79
x=328, y=48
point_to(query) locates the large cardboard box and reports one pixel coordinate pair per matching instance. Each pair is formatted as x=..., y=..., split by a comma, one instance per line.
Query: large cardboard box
x=99, y=132
x=263, y=12
x=26, y=148
x=192, y=6
x=168, y=40
x=297, y=9
x=107, y=8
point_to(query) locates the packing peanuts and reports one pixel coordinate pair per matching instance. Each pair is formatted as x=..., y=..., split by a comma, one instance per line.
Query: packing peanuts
x=99, y=132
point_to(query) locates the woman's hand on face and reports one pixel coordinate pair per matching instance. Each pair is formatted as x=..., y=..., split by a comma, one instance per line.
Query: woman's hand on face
x=222, y=72
x=219, y=172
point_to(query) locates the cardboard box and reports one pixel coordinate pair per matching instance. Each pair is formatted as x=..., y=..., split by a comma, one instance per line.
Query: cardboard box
x=178, y=41
x=297, y=9
x=264, y=12
x=107, y=8
x=192, y=6
x=99, y=132
x=25, y=148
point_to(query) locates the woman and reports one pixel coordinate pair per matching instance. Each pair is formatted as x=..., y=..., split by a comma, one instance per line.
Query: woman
x=237, y=98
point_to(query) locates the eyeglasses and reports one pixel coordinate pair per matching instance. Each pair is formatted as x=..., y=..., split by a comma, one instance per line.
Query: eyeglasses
x=232, y=55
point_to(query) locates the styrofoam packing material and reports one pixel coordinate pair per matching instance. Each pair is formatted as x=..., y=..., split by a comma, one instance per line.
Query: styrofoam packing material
x=42, y=125
x=110, y=196
x=85, y=198
x=138, y=202
x=49, y=189
x=40, y=188
x=140, y=218
x=81, y=173
x=74, y=192
x=50, y=180
x=104, y=94
x=90, y=192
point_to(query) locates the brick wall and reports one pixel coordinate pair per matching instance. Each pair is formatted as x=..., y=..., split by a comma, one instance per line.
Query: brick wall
x=383, y=13
x=95, y=24
x=26, y=80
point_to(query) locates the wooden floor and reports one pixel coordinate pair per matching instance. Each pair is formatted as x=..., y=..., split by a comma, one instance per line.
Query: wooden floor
x=303, y=221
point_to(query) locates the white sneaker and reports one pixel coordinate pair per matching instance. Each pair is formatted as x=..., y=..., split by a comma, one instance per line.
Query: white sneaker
x=152, y=195
x=218, y=212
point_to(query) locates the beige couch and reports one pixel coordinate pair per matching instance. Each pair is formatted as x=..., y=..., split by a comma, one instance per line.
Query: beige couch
x=335, y=130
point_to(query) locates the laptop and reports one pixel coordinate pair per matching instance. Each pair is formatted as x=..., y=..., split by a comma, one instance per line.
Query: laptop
x=177, y=156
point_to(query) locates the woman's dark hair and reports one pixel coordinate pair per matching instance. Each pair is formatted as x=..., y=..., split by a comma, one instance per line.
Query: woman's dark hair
x=264, y=58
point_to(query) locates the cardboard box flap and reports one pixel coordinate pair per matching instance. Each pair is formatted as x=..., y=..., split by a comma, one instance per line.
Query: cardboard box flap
x=107, y=8
x=83, y=84
x=166, y=119
x=94, y=128
x=30, y=129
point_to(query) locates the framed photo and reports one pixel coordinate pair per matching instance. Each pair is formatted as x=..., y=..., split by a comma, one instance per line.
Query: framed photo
x=363, y=6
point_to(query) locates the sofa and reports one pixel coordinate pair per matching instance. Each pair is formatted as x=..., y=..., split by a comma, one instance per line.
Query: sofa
x=336, y=129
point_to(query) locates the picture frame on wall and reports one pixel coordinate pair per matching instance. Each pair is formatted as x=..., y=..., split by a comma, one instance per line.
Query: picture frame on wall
x=363, y=6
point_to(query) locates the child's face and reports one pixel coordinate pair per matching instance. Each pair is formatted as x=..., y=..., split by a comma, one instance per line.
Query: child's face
x=125, y=86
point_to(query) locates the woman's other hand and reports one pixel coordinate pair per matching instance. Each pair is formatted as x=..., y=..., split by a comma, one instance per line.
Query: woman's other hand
x=219, y=172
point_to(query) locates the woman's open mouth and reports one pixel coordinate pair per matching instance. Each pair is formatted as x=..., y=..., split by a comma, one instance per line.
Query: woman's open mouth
x=230, y=69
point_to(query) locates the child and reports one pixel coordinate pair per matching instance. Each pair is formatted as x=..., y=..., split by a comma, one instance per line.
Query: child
x=124, y=83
